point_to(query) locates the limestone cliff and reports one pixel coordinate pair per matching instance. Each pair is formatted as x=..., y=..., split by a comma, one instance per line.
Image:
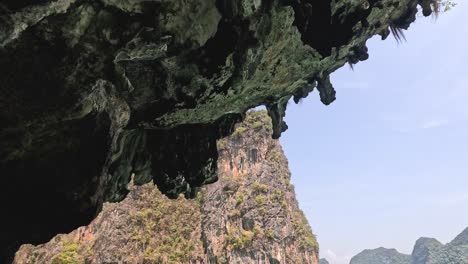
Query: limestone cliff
x=426, y=251
x=93, y=91
x=250, y=215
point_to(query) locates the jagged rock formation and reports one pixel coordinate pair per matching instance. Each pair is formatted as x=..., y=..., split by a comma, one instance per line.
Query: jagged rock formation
x=426, y=251
x=250, y=215
x=93, y=91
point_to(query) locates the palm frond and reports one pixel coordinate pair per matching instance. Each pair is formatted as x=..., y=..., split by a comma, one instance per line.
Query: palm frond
x=397, y=33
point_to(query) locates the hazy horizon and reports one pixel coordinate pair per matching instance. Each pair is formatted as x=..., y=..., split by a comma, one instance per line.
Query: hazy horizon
x=386, y=163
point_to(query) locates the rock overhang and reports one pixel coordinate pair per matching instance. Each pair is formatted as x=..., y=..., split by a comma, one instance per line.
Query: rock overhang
x=95, y=91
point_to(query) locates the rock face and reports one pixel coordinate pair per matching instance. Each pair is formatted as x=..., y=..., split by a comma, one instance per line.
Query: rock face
x=426, y=251
x=250, y=215
x=92, y=92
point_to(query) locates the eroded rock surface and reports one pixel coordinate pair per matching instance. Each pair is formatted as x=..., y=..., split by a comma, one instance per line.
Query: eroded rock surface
x=250, y=215
x=92, y=92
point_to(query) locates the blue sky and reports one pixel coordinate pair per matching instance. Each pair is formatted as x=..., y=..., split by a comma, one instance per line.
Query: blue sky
x=387, y=162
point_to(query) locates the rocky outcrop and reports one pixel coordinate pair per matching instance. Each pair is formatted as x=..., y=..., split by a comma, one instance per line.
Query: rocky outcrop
x=323, y=261
x=426, y=251
x=423, y=248
x=92, y=92
x=250, y=215
x=381, y=256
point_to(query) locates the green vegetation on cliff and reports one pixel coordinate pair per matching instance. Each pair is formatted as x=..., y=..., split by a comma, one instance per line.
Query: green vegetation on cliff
x=255, y=120
x=303, y=232
x=164, y=229
x=68, y=255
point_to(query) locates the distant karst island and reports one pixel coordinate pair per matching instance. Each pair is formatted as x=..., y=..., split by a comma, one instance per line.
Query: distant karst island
x=425, y=251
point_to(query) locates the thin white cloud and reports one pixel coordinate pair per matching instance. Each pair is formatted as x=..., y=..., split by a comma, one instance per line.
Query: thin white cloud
x=330, y=255
x=333, y=258
x=434, y=123
x=406, y=124
x=355, y=85
x=450, y=199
